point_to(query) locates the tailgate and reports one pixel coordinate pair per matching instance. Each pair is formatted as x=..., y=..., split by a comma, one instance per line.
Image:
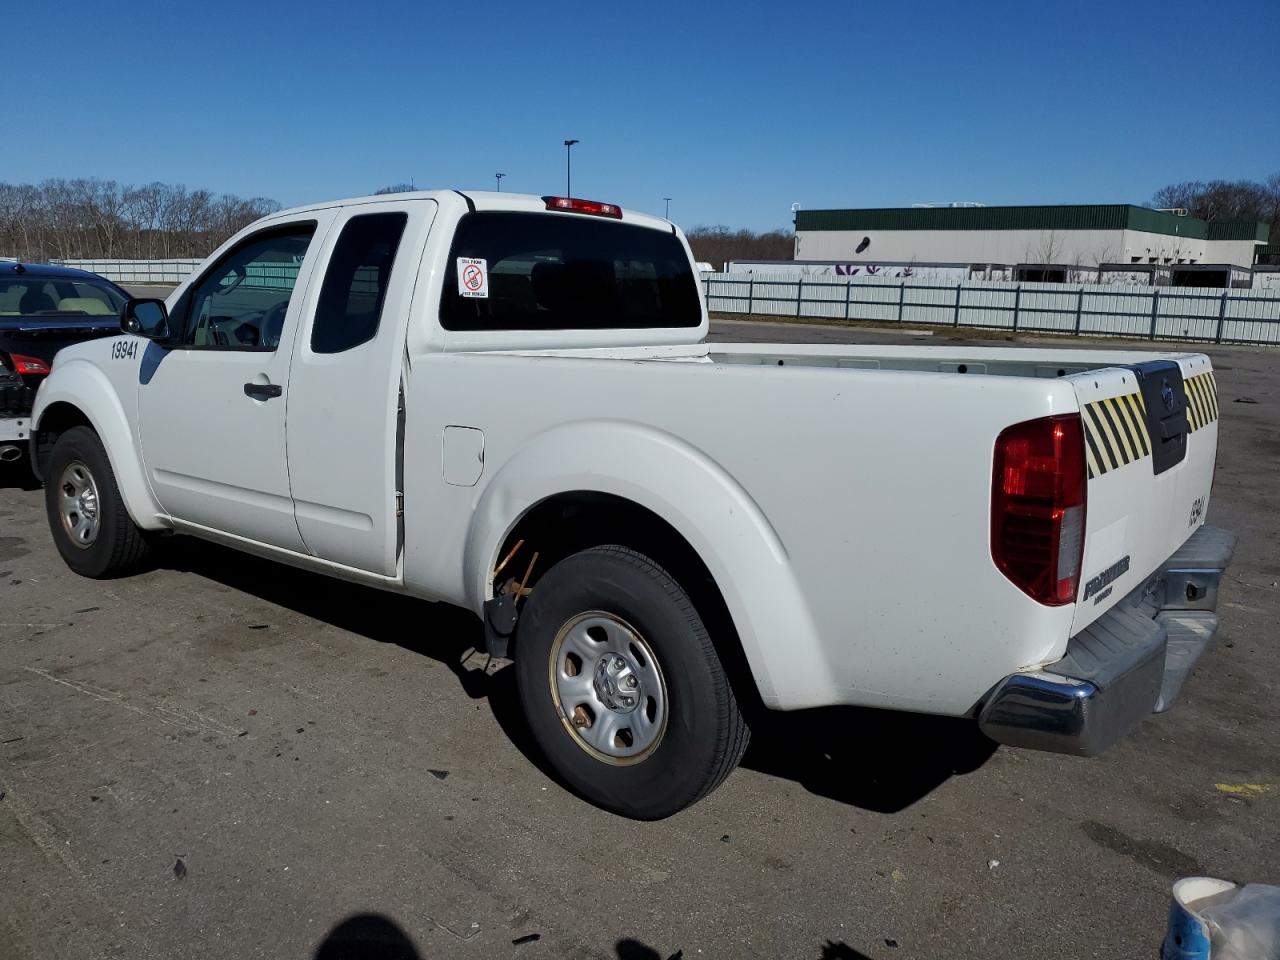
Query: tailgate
x=1151, y=439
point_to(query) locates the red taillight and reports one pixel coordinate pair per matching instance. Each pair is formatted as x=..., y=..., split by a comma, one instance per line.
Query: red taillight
x=1037, y=507
x=28, y=365
x=594, y=207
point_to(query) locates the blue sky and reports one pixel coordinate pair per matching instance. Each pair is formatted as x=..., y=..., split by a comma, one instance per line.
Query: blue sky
x=736, y=111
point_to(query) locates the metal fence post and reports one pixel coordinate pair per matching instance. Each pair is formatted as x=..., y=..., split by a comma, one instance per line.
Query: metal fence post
x=1155, y=311
x=902, y=291
x=799, y=291
x=1017, y=302
x=1079, y=309
x=751, y=293
x=848, y=287
x=1222, y=315
x=955, y=321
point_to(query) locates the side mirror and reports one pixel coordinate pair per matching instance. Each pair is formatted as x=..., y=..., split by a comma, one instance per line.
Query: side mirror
x=145, y=318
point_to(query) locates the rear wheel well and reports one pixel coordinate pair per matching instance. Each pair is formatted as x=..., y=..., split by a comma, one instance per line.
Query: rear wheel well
x=57, y=420
x=568, y=523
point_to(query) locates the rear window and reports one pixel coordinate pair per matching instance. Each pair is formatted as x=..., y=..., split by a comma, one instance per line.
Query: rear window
x=27, y=296
x=569, y=272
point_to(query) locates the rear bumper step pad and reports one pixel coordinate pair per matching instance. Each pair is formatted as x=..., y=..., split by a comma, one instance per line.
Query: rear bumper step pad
x=1189, y=633
x=1131, y=661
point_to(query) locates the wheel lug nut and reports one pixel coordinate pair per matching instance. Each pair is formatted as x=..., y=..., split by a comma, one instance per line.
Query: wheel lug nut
x=632, y=682
x=618, y=663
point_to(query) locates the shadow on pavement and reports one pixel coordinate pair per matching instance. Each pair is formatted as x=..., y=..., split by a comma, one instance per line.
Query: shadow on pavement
x=630, y=949
x=832, y=950
x=447, y=634
x=367, y=936
x=878, y=760
x=873, y=759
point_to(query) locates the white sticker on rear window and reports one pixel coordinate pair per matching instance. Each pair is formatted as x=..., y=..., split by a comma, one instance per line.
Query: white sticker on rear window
x=473, y=277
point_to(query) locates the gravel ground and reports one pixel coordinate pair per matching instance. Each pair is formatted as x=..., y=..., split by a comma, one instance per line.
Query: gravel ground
x=222, y=757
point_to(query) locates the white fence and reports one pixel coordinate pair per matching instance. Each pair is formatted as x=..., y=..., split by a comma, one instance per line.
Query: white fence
x=1166, y=313
x=136, y=271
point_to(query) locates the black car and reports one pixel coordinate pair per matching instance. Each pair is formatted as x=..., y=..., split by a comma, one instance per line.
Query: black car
x=44, y=308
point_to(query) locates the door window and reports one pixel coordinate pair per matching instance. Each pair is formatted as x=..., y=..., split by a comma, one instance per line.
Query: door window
x=355, y=284
x=241, y=302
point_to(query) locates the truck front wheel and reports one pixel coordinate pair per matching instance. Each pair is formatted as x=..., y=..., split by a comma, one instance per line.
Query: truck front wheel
x=621, y=685
x=90, y=525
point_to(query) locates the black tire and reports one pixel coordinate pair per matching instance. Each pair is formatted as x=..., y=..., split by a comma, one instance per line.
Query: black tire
x=705, y=734
x=118, y=546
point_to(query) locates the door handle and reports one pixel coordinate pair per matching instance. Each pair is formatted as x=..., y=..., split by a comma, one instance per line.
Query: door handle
x=263, y=391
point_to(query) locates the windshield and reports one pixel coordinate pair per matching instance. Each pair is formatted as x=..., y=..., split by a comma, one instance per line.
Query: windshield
x=556, y=272
x=25, y=296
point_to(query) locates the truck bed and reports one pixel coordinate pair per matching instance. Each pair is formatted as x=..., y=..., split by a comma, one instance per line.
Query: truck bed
x=901, y=604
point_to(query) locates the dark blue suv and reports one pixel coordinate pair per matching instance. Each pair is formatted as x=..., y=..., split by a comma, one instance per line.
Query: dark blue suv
x=42, y=309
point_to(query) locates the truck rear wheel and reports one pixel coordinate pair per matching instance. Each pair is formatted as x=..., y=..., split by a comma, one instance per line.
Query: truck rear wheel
x=90, y=525
x=621, y=685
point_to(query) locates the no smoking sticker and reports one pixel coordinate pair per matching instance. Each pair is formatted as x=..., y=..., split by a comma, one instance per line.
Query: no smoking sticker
x=473, y=277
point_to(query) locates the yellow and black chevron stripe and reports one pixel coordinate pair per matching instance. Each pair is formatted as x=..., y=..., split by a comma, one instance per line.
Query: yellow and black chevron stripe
x=1115, y=429
x=1202, y=400
x=1115, y=433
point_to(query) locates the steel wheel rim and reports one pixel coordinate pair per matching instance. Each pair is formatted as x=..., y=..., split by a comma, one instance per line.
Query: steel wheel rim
x=79, y=505
x=594, y=660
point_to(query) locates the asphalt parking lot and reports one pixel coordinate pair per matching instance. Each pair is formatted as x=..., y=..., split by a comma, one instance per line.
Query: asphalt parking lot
x=222, y=757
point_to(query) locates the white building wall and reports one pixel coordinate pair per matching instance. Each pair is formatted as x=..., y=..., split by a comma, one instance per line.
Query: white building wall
x=1163, y=247
x=1085, y=247
x=1239, y=252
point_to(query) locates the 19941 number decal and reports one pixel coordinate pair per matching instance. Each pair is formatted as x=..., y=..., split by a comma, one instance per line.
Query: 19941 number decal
x=124, y=348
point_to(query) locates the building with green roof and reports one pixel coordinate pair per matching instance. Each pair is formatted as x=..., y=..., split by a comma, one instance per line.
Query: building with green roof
x=1079, y=234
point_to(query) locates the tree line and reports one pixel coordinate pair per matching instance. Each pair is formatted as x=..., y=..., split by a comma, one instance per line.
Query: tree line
x=102, y=219
x=88, y=218
x=719, y=244
x=1226, y=200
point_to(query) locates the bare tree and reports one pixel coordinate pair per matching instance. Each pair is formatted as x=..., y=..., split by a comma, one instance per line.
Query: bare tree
x=1271, y=205
x=89, y=218
x=717, y=245
x=1225, y=199
x=1047, y=249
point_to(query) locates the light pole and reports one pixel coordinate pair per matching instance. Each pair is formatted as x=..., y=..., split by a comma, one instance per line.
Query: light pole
x=498, y=177
x=667, y=212
x=568, y=169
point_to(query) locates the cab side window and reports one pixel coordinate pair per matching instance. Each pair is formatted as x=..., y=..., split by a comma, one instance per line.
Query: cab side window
x=355, y=285
x=241, y=302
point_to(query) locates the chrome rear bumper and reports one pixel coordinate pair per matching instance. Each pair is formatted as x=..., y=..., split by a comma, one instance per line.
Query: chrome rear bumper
x=1128, y=663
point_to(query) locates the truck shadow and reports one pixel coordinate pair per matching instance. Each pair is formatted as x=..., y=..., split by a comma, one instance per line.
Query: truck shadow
x=872, y=759
x=878, y=760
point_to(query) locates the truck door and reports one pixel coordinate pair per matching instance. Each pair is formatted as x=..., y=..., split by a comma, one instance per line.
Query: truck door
x=344, y=395
x=211, y=405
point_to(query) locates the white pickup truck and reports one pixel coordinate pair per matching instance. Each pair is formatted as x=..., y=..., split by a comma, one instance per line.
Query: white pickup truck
x=508, y=403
